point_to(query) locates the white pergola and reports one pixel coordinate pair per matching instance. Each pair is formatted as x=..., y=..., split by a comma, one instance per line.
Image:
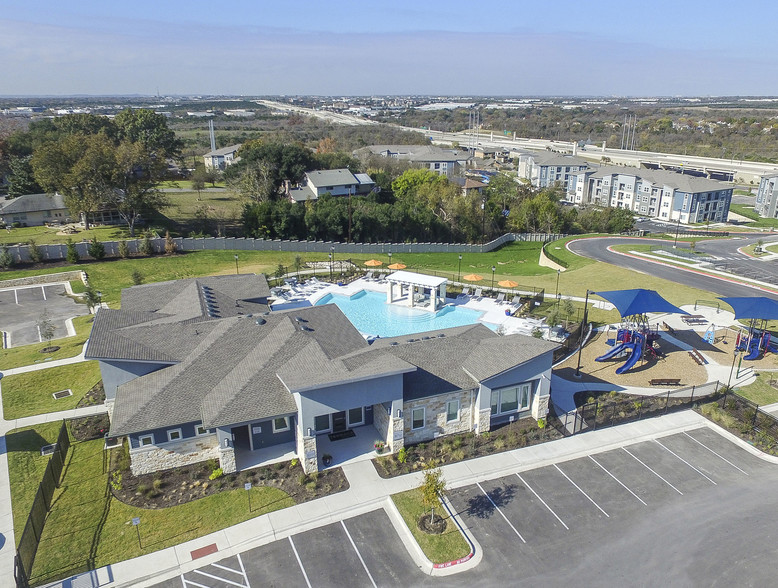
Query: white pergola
x=414, y=286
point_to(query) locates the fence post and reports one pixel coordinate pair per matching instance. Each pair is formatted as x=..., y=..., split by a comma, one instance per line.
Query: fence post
x=691, y=400
x=596, y=404
x=756, y=412
x=667, y=400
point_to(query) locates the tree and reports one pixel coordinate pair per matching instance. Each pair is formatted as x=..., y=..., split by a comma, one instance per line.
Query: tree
x=92, y=298
x=96, y=249
x=198, y=179
x=432, y=487
x=149, y=129
x=170, y=244
x=146, y=246
x=124, y=249
x=137, y=277
x=72, y=255
x=284, y=161
x=569, y=309
x=21, y=179
x=34, y=251
x=46, y=328
x=298, y=263
x=6, y=259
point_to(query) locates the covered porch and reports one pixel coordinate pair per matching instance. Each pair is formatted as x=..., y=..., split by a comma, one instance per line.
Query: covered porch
x=416, y=290
x=351, y=449
x=246, y=459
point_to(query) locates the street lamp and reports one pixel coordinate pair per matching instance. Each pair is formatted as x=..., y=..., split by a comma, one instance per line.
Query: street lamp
x=459, y=271
x=330, y=266
x=236, y=264
x=581, y=336
x=390, y=258
x=332, y=253
x=493, y=270
x=677, y=229
x=99, y=299
x=557, y=287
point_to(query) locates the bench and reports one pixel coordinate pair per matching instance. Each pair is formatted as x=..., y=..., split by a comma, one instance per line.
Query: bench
x=668, y=328
x=694, y=319
x=696, y=356
x=665, y=382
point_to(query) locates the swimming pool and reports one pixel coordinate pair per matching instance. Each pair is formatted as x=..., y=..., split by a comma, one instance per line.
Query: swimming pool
x=371, y=315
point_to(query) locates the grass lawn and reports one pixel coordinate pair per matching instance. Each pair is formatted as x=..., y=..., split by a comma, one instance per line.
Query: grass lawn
x=448, y=546
x=761, y=391
x=30, y=354
x=48, y=235
x=220, y=205
x=187, y=184
x=26, y=466
x=88, y=528
x=749, y=212
x=30, y=393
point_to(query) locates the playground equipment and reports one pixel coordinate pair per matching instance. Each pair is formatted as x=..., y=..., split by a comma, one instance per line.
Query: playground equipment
x=637, y=341
x=755, y=343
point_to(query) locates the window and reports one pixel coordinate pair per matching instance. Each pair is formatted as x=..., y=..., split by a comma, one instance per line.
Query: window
x=417, y=418
x=355, y=416
x=200, y=430
x=174, y=434
x=280, y=424
x=452, y=410
x=511, y=399
x=144, y=440
x=322, y=423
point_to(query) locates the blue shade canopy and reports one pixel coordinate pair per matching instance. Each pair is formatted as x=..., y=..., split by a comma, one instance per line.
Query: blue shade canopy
x=754, y=307
x=638, y=301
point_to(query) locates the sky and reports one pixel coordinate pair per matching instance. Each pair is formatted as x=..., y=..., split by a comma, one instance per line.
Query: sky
x=363, y=47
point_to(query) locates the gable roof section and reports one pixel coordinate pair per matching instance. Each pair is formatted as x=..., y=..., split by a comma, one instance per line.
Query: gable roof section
x=331, y=177
x=493, y=357
x=34, y=203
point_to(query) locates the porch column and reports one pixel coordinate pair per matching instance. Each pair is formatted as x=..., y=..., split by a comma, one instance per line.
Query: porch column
x=434, y=296
x=412, y=295
x=390, y=293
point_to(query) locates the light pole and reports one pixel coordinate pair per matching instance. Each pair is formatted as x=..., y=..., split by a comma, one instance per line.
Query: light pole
x=677, y=228
x=236, y=264
x=330, y=254
x=557, y=287
x=581, y=337
x=390, y=258
x=99, y=300
x=459, y=271
x=493, y=270
x=734, y=357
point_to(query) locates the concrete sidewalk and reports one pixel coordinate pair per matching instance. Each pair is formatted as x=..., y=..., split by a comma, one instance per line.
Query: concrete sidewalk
x=369, y=492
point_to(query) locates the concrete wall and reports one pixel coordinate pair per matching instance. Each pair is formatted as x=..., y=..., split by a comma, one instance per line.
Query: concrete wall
x=45, y=279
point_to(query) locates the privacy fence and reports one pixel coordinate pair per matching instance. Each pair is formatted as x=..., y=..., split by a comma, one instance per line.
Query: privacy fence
x=33, y=529
x=21, y=252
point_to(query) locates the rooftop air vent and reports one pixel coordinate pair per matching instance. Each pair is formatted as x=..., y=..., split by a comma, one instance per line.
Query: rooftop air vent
x=394, y=343
x=260, y=321
x=441, y=335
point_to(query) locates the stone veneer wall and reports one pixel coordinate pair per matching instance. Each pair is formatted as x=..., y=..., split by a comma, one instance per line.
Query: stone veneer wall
x=435, y=416
x=484, y=420
x=46, y=279
x=147, y=460
x=227, y=460
x=309, y=453
x=398, y=434
x=382, y=423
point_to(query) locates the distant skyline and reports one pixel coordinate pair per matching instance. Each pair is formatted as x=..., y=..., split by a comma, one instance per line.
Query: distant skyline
x=345, y=47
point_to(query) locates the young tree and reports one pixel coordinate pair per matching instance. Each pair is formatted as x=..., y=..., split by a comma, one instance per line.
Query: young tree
x=298, y=263
x=34, y=251
x=137, y=277
x=92, y=298
x=46, y=328
x=124, y=249
x=146, y=246
x=170, y=244
x=96, y=249
x=72, y=255
x=198, y=179
x=432, y=487
x=6, y=259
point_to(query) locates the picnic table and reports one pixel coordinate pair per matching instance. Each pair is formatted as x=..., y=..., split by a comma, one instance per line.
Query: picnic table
x=694, y=319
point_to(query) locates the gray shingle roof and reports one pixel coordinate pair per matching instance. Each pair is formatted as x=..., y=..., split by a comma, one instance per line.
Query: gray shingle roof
x=331, y=177
x=223, y=151
x=663, y=177
x=33, y=203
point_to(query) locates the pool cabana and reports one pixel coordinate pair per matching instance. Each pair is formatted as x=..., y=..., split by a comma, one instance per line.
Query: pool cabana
x=416, y=290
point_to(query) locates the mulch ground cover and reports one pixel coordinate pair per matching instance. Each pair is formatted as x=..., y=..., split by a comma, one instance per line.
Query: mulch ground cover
x=180, y=485
x=455, y=448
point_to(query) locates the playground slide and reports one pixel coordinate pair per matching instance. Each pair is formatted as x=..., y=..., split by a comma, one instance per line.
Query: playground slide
x=614, y=351
x=755, y=352
x=633, y=358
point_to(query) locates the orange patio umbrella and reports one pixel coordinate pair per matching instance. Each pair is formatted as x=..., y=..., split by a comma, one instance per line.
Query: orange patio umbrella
x=507, y=283
x=397, y=266
x=472, y=278
x=373, y=263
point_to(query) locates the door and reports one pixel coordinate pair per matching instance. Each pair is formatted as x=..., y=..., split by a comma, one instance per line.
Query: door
x=339, y=422
x=240, y=437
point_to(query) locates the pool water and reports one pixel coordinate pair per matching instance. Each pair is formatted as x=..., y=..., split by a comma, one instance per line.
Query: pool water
x=371, y=315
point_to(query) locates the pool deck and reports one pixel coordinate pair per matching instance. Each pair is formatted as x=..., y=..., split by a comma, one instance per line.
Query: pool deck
x=494, y=313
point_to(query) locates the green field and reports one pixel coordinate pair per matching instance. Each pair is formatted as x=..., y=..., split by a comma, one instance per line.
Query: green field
x=51, y=235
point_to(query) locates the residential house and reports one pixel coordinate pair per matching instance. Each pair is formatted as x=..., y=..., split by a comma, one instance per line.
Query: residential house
x=444, y=162
x=34, y=209
x=545, y=169
x=221, y=158
x=660, y=194
x=337, y=182
x=196, y=369
x=470, y=186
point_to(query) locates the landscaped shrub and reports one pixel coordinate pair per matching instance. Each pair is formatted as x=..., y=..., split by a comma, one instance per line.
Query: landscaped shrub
x=124, y=249
x=170, y=246
x=217, y=473
x=35, y=252
x=6, y=259
x=146, y=247
x=137, y=279
x=96, y=249
x=72, y=255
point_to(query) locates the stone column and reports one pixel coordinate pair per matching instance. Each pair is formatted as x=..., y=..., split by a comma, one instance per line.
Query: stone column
x=390, y=293
x=539, y=406
x=308, y=455
x=397, y=440
x=227, y=460
x=484, y=420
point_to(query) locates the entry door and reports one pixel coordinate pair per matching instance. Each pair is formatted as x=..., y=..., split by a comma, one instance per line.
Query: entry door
x=240, y=437
x=339, y=422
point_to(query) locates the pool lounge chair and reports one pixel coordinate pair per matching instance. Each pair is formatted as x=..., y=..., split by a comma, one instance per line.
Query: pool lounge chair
x=465, y=292
x=516, y=300
x=477, y=293
x=369, y=276
x=500, y=297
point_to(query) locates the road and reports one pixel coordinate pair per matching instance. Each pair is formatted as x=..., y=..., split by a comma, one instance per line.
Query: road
x=597, y=249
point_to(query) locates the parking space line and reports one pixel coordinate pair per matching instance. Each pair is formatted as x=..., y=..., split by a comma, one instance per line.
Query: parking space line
x=299, y=562
x=497, y=508
x=716, y=454
x=225, y=568
x=16, y=296
x=40, y=337
x=243, y=570
x=686, y=462
x=225, y=580
x=581, y=491
x=523, y=481
x=44, y=292
x=645, y=465
x=185, y=581
x=359, y=555
x=619, y=481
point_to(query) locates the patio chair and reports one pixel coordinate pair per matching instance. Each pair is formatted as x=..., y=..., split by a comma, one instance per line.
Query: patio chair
x=500, y=298
x=465, y=292
x=516, y=300
x=369, y=276
x=477, y=293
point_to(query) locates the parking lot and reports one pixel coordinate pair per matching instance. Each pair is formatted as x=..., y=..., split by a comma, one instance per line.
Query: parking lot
x=21, y=309
x=601, y=519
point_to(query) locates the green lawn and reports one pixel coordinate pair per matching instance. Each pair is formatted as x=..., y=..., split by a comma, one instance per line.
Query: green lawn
x=30, y=393
x=448, y=546
x=86, y=529
x=30, y=354
x=187, y=184
x=220, y=206
x=761, y=391
x=48, y=235
x=749, y=212
x=26, y=466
